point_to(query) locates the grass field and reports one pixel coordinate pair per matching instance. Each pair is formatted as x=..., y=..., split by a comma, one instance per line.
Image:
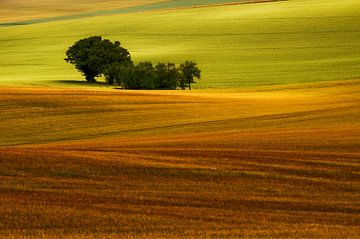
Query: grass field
x=278, y=162
x=239, y=45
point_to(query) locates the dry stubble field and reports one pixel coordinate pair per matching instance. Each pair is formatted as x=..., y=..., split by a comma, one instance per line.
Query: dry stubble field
x=271, y=162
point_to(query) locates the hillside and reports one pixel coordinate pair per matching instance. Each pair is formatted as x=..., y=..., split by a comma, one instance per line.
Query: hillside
x=89, y=163
x=267, y=145
x=39, y=11
x=239, y=45
x=20, y=10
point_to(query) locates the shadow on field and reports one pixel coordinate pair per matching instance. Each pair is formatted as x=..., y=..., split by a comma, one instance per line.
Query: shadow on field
x=80, y=83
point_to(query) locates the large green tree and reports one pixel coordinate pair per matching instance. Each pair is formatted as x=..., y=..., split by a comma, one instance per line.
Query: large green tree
x=93, y=55
x=188, y=70
x=168, y=75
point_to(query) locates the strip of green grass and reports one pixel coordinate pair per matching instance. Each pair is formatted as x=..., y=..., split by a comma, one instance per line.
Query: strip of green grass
x=235, y=46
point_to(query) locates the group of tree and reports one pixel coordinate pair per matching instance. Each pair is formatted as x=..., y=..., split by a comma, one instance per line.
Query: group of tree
x=94, y=57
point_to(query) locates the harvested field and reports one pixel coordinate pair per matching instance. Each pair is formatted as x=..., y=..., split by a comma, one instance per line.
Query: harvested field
x=276, y=162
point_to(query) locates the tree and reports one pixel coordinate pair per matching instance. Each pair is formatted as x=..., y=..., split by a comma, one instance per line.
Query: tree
x=188, y=70
x=128, y=78
x=167, y=75
x=143, y=76
x=115, y=73
x=146, y=75
x=93, y=55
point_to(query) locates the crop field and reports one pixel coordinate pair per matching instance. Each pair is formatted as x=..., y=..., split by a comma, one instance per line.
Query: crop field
x=20, y=10
x=235, y=45
x=267, y=145
x=280, y=162
x=44, y=11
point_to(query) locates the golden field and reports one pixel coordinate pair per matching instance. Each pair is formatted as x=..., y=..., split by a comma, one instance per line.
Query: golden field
x=266, y=162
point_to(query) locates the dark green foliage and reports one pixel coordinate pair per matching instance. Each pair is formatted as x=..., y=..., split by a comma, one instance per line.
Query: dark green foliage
x=93, y=55
x=128, y=78
x=143, y=76
x=146, y=75
x=188, y=70
x=167, y=75
x=114, y=73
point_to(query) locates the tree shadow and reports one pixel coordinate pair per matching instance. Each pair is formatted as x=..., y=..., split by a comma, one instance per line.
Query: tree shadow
x=81, y=83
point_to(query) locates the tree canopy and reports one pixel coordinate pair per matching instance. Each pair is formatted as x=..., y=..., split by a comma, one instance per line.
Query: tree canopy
x=94, y=56
x=188, y=70
x=168, y=75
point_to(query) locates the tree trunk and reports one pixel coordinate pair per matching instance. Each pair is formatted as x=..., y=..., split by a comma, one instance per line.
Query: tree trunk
x=90, y=79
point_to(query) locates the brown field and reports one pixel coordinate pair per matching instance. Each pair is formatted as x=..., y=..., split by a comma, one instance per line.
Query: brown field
x=18, y=10
x=275, y=162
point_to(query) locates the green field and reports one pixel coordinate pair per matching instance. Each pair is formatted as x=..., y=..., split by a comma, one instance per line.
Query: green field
x=239, y=45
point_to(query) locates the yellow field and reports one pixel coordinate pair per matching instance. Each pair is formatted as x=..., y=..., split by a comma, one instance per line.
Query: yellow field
x=271, y=162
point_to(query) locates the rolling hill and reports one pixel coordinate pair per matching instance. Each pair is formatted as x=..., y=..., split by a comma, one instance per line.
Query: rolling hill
x=92, y=163
x=24, y=10
x=267, y=146
x=239, y=45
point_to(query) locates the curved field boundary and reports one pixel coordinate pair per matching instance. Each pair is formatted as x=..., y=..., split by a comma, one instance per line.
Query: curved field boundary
x=172, y=4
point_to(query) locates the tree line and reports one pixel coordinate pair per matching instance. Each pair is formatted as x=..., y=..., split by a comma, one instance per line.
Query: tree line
x=94, y=57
